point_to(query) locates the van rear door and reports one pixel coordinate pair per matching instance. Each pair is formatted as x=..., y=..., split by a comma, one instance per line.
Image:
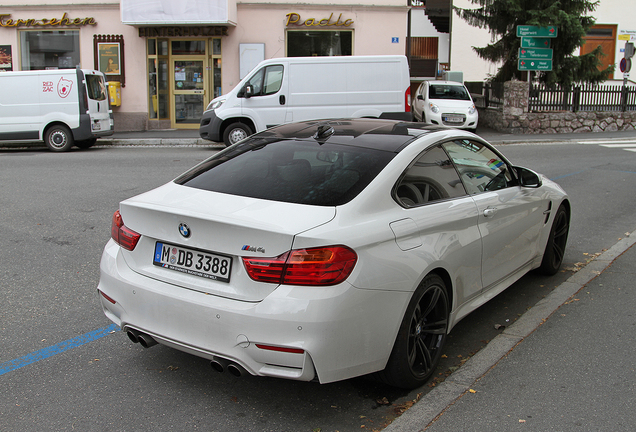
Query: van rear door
x=97, y=101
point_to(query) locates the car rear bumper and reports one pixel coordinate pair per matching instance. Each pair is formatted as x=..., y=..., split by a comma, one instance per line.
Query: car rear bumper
x=333, y=333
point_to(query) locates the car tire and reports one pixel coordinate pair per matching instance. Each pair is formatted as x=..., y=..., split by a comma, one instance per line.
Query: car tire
x=84, y=144
x=58, y=138
x=421, y=337
x=236, y=132
x=555, y=247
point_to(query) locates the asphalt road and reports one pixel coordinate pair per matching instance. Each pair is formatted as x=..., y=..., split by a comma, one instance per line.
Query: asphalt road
x=64, y=367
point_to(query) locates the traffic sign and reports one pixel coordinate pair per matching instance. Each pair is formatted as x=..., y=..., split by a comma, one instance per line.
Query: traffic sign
x=536, y=31
x=627, y=35
x=534, y=65
x=535, y=42
x=535, y=53
x=625, y=65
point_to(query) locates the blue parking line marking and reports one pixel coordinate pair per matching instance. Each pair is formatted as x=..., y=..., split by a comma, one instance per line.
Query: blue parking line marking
x=566, y=175
x=47, y=352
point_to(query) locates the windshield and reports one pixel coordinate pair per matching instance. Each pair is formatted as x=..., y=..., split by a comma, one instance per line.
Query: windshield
x=448, y=91
x=295, y=171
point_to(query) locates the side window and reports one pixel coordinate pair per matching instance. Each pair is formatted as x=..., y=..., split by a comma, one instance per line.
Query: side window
x=480, y=168
x=257, y=82
x=432, y=177
x=273, y=79
x=266, y=81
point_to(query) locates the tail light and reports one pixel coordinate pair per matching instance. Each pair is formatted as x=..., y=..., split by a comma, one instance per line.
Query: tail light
x=123, y=236
x=311, y=267
x=407, y=100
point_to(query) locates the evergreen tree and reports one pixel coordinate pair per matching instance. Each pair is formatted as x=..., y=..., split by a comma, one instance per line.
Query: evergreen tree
x=571, y=18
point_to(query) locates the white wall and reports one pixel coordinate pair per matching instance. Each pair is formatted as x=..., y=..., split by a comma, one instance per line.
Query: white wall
x=421, y=26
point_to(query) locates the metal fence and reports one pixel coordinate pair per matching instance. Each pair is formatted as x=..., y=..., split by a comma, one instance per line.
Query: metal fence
x=601, y=97
x=486, y=94
x=582, y=98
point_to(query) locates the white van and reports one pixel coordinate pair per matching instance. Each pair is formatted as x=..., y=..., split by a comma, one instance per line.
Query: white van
x=62, y=107
x=292, y=89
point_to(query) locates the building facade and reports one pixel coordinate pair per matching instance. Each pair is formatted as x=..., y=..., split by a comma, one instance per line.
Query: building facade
x=171, y=58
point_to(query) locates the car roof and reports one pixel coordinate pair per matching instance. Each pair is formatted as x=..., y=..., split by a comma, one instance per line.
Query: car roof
x=379, y=134
x=445, y=83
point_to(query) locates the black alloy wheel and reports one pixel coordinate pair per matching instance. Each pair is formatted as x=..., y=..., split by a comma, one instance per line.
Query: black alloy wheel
x=555, y=248
x=421, y=338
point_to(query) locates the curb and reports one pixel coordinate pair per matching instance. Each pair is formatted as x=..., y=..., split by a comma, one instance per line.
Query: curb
x=158, y=142
x=434, y=403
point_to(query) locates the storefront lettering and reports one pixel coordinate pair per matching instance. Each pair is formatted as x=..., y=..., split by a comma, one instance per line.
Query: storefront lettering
x=294, y=19
x=6, y=21
x=182, y=31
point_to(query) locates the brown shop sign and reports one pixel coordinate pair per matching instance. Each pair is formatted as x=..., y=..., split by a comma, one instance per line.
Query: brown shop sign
x=293, y=18
x=65, y=21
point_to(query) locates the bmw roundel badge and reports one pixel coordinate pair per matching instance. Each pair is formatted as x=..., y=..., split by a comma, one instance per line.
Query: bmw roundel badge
x=184, y=230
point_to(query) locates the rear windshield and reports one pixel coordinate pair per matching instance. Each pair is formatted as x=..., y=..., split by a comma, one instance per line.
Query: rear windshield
x=294, y=171
x=95, y=87
x=457, y=92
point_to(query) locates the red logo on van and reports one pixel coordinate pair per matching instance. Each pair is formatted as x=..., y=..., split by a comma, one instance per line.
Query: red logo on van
x=64, y=87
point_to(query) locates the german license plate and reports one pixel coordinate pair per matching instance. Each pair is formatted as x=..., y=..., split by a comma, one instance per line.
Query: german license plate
x=452, y=119
x=193, y=262
x=97, y=126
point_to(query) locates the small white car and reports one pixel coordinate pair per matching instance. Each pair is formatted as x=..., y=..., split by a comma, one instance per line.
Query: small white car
x=445, y=103
x=325, y=250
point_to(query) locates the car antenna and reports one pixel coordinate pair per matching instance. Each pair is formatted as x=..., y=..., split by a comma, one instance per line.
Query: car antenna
x=323, y=133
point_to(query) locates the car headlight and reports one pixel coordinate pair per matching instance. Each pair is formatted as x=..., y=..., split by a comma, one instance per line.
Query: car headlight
x=472, y=109
x=434, y=108
x=215, y=104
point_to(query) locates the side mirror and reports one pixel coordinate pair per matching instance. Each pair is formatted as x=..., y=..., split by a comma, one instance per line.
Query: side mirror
x=420, y=97
x=248, y=91
x=528, y=178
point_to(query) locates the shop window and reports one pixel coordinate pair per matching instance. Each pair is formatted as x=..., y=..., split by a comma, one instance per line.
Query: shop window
x=158, y=92
x=302, y=43
x=40, y=50
x=188, y=47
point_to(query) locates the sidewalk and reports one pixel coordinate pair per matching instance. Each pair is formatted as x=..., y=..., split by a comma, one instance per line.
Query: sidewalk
x=566, y=364
x=190, y=137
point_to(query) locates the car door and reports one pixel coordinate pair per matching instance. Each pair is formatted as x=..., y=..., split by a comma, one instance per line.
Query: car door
x=510, y=217
x=266, y=100
x=445, y=218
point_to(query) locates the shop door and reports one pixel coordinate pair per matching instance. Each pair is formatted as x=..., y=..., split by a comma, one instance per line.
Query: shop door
x=189, y=85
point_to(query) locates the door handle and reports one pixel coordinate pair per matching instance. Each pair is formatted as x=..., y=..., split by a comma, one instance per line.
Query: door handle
x=281, y=99
x=490, y=212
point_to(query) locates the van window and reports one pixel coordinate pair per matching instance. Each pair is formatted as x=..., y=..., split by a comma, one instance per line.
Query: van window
x=267, y=80
x=96, y=87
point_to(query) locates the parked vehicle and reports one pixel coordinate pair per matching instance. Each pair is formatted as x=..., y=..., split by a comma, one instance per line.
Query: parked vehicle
x=62, y=107
x=290, y=89
x=329, y=249
x=446, y=103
